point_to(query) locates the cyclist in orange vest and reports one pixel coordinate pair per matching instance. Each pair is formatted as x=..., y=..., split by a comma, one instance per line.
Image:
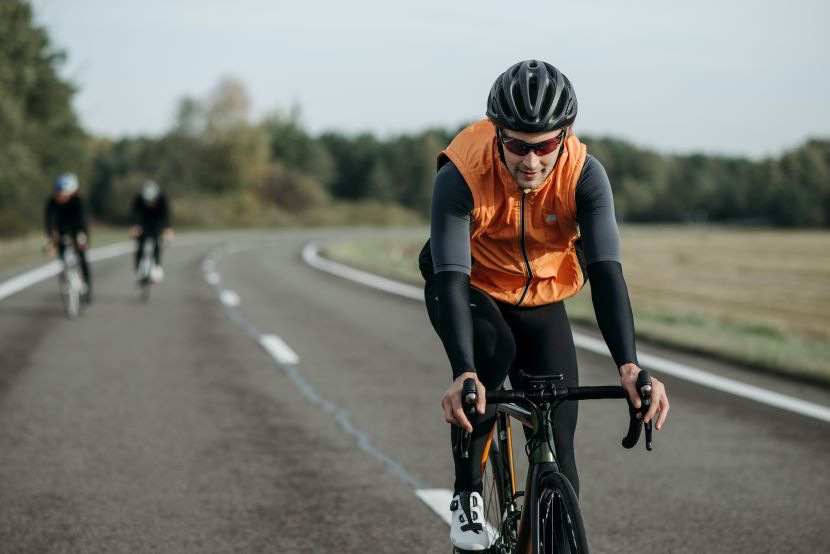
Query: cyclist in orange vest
x=521, y=217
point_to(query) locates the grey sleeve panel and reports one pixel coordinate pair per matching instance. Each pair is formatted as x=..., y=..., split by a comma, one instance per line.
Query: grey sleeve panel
x=452, y=204
x=595, y=214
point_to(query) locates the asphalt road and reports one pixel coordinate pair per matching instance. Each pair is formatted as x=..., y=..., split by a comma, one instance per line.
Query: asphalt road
x=168, y=427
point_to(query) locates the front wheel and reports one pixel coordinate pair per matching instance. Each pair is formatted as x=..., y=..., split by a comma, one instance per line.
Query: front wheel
x=70, y=295
x=560, y=520
x=500, y=512
x=145, y=281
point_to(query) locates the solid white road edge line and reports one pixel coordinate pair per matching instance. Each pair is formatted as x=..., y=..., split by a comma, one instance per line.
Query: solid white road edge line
x=34, y=276
x=311, y=255
x=38, y=274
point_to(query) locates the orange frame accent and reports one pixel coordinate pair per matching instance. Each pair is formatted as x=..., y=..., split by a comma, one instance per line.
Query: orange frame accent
x=486, y=454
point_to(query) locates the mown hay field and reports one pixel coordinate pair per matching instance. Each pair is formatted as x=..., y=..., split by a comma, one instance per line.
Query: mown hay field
x=757, y=297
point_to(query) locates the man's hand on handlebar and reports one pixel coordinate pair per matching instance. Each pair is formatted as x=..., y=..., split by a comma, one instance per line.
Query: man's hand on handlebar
x=82, y=241
x=659, y=398
x=451, y=402
x=48, y=247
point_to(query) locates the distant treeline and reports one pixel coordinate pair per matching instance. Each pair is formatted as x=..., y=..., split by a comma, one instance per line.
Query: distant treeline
x=214, y=155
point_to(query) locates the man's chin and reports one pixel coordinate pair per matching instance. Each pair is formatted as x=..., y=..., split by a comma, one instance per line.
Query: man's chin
x=529, y=183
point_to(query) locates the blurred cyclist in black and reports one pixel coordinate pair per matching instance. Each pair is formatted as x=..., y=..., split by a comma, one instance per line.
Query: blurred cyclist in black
x=64, y=217
x=150, y=220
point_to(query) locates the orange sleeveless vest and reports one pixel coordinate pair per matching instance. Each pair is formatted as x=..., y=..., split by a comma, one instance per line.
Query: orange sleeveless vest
x=522, y=243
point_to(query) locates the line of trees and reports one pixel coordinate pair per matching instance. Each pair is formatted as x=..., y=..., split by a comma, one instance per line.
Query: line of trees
x=792, y=190
x=212, y=149
x=39, y=133
x=214, y=155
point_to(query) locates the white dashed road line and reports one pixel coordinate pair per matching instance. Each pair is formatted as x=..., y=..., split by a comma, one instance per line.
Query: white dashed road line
x=229, y=298
x=278, y=350
x=439, y=502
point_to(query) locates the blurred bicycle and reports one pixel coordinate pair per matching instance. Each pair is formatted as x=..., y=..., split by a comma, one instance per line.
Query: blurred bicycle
x=149, y=272
x=74, y=291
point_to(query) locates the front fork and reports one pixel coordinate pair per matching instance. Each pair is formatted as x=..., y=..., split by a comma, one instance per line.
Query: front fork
x=542, y=461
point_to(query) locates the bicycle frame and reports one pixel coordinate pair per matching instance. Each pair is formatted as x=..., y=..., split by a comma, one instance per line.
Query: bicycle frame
x=533, y=408
x=71, y=283
x=146, y=261
x=542, y=460
x=70, y=267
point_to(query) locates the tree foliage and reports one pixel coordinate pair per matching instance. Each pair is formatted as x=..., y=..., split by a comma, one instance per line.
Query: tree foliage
x=39, y=134
x=213, y=150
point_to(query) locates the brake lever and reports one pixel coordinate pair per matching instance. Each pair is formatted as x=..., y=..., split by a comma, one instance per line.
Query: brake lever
x=468, y=400
x=635, y=426
x=645, y=388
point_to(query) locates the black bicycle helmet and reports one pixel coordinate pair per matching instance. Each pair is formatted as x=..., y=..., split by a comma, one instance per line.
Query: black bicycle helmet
x=532, y=97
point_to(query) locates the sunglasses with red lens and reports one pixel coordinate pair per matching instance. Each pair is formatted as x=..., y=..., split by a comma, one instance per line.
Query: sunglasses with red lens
x=522, y=148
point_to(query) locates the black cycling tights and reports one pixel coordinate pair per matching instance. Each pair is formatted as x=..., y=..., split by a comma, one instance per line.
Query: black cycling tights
x=507, y=339
x=140, y=248
x=81, y=257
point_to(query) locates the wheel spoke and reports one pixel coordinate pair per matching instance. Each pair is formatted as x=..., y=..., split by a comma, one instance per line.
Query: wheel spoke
x=560, y=522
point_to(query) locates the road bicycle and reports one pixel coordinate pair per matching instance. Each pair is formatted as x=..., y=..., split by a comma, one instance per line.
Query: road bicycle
x=148, y=271
x=72, y=286
x=545, y=517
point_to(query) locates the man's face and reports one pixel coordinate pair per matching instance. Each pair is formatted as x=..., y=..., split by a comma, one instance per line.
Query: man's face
x=62, y=198
x=530, y=170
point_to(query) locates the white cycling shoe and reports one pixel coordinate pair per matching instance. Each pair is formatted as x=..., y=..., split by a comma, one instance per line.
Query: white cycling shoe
x=157, y=274
x=468, y=531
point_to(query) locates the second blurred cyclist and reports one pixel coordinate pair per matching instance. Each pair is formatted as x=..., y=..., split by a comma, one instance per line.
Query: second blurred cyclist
x=150, y=220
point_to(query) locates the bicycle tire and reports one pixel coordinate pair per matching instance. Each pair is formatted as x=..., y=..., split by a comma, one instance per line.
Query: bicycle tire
x=497, y=495
x=561, y=529
x=70, y=297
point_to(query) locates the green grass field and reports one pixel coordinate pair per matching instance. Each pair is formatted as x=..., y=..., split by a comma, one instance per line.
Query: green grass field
x=28, y=249
x=756, y=297
x=232, y=211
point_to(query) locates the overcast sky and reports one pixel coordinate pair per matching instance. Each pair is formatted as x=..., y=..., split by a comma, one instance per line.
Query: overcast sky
x=728, y=76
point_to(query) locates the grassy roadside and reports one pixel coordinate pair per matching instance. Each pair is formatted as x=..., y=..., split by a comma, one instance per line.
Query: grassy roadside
x=758, y=298
x=242, y=211
x=28, y=249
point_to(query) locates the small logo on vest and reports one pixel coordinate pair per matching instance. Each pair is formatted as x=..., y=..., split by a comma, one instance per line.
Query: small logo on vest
x=550, y=218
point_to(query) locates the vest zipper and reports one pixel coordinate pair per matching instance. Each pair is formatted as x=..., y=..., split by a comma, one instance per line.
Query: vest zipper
x=522, y=244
